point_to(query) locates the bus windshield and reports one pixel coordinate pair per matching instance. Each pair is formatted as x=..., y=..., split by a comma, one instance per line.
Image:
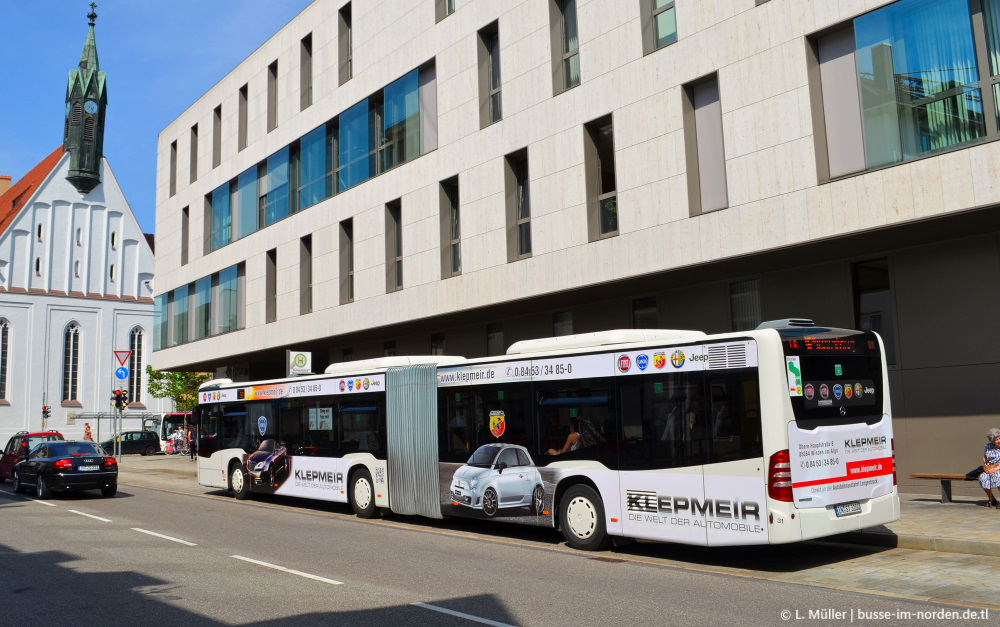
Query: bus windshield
x=834, y=375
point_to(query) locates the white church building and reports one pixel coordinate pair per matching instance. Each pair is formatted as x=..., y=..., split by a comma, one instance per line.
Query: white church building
x=76, y=281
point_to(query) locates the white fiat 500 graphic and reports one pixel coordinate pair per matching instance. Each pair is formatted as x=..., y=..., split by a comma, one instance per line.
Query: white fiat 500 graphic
x=498, y=476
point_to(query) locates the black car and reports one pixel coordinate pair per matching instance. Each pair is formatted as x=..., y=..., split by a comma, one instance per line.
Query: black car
x=143, y=442
x=67, y=465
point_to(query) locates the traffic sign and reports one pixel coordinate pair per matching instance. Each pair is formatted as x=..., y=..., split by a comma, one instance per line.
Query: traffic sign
x=122, y=373
x=122, y=357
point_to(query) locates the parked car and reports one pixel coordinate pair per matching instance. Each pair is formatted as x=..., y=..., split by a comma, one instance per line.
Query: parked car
x=142, y=442
x=19, y=446
x=498, y=476
x=268, y=465
x=67, y=465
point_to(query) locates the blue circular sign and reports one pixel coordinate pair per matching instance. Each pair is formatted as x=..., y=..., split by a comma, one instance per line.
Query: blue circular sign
x=122, y=373
x=641, y=361
x=262, y=425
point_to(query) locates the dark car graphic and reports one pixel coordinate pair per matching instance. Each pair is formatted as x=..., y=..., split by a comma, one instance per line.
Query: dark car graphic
x=498, y=476
x=268, y=465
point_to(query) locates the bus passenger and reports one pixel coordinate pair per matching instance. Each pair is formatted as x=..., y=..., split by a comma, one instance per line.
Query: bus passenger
x=573, y=441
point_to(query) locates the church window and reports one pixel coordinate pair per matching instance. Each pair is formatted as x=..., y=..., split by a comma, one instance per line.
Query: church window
x=39, y=232
x=135, y=365
x=113, y=240
x=79, y=242
x=76, y=269
x=112, y=275
x=38, y=266
x=77, y=114
x=71, y=362
x=88, y=129
x=4, y=362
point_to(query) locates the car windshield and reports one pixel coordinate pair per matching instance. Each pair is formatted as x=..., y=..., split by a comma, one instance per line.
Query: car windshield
x=484, y=456
x=66, y=449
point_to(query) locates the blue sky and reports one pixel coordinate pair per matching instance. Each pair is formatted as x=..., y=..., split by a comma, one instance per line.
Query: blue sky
x=159, y=57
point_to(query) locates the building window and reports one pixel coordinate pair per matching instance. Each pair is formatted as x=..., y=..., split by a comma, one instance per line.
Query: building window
x=393, y=246
x=179, y=313
x=173, y=167
x=135, y=366
x=703, y=145
x=305, y=275
x=203, y=308
x=562, y=323
x=4, y=358
x=246, y=202
x=518, y=205
x=873, y=310
x=161, y=320
x=602, y=196
x=272, y=96
x=38, y=266
x=904, y=81
x=494, y=340
x=71, y=362
x=345, y=44
x=744, y=305
x=644, y=314
x=443, y=8
x=217, y=137
x=272, y=189
x=490, y=110
x=39, y=232
x=76, y=269
x=451, y=231
x=193, y=172
x=314, y=166
x=113, y=242
x=389, y=349
x=565, y=45
x=242, y=112
x=271, y=286
x=111, y=274
x=231, y=284
x=347, y=261
x=659, y=25
x=305, y=72
x=79, y=241
x=221, y=217
x=437, y=344
x=185, y=226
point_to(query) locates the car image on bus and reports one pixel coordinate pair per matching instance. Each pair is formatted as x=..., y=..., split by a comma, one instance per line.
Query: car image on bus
x=770, y=436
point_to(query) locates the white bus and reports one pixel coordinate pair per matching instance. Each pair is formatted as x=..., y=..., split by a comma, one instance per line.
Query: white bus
x=775, y=435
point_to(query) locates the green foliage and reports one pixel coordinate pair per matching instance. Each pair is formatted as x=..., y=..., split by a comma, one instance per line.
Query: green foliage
x=181, y=387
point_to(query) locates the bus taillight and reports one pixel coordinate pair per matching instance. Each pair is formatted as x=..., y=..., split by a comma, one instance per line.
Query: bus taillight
x=779, y=477
x=892, y=443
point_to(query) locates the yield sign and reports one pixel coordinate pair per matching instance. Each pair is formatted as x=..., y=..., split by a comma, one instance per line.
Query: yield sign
x=122, y=356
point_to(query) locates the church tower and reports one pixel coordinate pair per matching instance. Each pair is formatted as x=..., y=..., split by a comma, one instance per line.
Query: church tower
x=86, y=101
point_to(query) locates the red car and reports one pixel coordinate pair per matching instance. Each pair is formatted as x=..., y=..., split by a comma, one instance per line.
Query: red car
x=19, y=446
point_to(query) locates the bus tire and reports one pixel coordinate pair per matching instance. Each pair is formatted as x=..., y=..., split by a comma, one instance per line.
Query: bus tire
x=239, y=482
x=581, y=518
x=363, y=494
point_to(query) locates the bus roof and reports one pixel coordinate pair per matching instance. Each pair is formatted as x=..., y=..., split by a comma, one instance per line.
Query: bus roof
x=601, y=338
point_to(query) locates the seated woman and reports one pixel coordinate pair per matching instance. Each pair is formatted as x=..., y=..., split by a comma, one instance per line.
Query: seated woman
x=991, y=467
x=573, y=441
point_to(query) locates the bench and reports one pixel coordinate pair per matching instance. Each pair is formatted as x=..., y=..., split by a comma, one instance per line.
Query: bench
x=945, y=480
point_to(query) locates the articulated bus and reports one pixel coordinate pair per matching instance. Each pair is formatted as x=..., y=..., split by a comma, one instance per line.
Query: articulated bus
x=774, y=435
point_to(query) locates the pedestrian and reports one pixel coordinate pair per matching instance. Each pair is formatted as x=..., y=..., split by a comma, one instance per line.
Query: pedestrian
x=991, y=467
x=87, y=435
x=193, y=441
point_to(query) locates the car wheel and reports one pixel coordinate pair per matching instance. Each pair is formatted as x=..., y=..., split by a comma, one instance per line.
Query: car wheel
x=239, y=483
x=490, y=502
x=581, y=517
x=363, y=494
x=110, y=490
x=41, y=490
x=537, y=497
x=18, y=488
x=149, y=450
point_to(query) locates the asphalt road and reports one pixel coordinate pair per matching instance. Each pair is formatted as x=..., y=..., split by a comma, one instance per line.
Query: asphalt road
x=80, y=559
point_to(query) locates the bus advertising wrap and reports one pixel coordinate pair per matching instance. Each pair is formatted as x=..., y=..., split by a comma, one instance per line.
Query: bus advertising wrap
x=837, y=464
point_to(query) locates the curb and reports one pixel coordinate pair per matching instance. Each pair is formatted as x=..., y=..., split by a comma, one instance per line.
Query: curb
x=919, y=543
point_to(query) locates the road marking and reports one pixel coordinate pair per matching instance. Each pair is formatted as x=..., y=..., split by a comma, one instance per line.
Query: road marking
x=160, y=535
x=485, y=621
x=90, y=516
x=289, y=570
x=41, y=502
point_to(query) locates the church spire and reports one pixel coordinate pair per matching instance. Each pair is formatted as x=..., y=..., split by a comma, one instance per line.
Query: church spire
x=86, y=100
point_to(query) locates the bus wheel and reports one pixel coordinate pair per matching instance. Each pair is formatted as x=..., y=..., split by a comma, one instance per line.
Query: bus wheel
x=490, y=502
x=363, y=494
x=581, y=517
x=239, y=485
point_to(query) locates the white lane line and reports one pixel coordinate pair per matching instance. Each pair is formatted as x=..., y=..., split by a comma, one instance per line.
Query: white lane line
x=477, y=619
x=90, y=516
x=42, y=502
x=160, y=535
x=289, y=570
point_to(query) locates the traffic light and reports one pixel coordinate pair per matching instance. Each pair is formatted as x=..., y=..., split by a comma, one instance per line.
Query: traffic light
x=46, y=412
x=124, y=399
x=116, y=400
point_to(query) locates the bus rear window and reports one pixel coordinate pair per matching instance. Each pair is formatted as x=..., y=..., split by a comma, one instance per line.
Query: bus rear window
x=834, y=375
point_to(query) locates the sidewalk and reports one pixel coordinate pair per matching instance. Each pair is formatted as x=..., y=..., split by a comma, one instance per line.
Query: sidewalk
x=925, y=523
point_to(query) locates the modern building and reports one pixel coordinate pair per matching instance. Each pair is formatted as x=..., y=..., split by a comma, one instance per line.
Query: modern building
x=76, y=278
x=430, y=176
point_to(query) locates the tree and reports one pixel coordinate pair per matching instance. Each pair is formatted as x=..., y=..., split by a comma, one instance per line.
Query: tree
x=180, y=387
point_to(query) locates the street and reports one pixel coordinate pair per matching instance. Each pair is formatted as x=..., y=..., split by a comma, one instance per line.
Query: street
x=188, y=555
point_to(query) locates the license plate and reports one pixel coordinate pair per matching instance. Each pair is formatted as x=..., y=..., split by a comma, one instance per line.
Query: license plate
x=848, y=509
x=86, y=468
